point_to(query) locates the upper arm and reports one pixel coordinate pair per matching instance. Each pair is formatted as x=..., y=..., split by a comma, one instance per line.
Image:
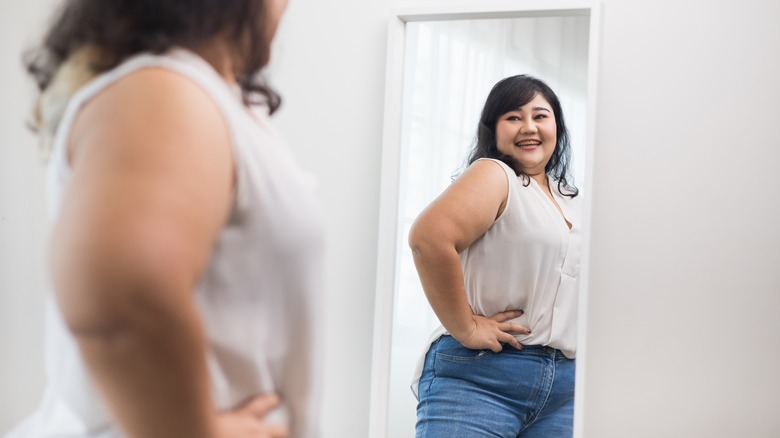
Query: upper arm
x=150, y=189
x=465, y=210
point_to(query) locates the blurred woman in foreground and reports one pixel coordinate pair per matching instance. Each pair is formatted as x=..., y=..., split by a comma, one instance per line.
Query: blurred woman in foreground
x=187, y=249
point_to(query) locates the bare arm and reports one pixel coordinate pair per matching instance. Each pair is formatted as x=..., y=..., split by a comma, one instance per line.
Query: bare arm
x=458, y=217
x=150, y=190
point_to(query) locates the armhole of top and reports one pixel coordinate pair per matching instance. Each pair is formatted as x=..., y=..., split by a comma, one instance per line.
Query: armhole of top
x=509, y=173
x=185, y=63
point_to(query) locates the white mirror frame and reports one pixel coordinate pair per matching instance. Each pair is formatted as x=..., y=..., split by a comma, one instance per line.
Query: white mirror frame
x=387, y=247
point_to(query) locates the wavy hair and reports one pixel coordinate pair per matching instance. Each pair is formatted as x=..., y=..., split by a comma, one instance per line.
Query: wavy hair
x=509, y=94
x=88, y=37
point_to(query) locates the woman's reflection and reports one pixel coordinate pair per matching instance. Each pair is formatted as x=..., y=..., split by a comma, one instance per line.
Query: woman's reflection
x=498, y=258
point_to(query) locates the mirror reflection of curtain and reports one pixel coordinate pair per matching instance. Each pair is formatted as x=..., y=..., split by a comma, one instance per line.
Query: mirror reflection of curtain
x=450, y=67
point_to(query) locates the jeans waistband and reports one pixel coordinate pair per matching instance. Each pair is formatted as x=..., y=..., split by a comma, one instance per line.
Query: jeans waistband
x=539, y=349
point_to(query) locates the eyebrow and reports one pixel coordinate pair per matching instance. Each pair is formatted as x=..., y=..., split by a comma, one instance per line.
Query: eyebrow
x=536, y=108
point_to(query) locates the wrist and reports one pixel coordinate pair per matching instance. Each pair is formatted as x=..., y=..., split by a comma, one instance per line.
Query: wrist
x=465, y=332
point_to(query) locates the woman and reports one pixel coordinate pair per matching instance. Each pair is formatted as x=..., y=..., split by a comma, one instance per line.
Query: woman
x=498, y=257
x=187, y=248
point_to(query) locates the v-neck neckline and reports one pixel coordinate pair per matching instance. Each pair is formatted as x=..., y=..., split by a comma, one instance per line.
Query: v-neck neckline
x=553, y=203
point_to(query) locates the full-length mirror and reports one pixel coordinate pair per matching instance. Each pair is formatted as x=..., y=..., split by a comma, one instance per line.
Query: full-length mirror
x=441, y=67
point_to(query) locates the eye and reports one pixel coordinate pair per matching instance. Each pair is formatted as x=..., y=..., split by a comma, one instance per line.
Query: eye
x=540, y=116
x=513, y=118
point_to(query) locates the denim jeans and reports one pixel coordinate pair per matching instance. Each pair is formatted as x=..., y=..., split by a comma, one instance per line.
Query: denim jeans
x=465, y=393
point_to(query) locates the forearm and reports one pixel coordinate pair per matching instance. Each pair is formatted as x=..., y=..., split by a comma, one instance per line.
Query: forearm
x=149, y=367
x=441, y=275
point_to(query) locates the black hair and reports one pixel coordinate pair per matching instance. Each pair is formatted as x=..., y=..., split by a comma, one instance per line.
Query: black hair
x=507, y=95
x=118, y=29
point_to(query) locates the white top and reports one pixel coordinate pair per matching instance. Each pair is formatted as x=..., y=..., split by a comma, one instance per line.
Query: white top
x=528, y=259
x=260, y=296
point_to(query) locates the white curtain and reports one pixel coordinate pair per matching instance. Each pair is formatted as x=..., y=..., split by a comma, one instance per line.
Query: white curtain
x=450, y=67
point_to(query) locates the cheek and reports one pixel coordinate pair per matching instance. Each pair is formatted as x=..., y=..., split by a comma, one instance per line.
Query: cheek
x=500, y=135
x=551, y=133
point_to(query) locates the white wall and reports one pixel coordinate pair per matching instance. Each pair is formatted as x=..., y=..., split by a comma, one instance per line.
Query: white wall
x=684, y=283
x=685, y=286
x=23, y=220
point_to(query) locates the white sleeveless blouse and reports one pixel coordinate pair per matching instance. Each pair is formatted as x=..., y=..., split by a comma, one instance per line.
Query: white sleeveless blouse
x=260, y=297
x=528, y=259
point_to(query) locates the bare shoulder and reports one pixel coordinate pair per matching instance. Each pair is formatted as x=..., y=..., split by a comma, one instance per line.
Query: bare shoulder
x=485, y=179
x=488, y=173
x=467, y=208
x=153, y=85
x=152, y=106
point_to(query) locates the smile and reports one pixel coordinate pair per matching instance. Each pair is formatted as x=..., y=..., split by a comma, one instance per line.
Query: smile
x=528, y=143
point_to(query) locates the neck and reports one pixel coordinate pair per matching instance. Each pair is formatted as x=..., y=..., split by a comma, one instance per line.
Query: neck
x=541, y=179
x=217, y=54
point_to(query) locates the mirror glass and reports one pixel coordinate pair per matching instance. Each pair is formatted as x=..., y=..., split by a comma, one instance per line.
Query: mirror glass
x=449, y=69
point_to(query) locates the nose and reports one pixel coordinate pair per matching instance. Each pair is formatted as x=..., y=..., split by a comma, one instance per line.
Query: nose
x=528, y=127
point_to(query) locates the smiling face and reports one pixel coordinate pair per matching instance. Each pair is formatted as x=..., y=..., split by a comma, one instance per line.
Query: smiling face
x=528, y=134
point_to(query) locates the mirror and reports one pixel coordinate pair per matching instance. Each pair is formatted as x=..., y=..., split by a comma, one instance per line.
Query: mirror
x=441, y=67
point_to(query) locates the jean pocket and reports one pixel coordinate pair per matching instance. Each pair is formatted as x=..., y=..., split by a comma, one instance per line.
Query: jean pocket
x=449, y=349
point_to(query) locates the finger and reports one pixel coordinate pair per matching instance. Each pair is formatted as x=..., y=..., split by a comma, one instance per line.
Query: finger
x=509, y=339
x=496, y=346
x=509, y=314
x=511, y=327
x=261, y=405
x=276, y=430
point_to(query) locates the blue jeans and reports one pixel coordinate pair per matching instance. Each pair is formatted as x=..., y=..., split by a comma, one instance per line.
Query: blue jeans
x=526, y=393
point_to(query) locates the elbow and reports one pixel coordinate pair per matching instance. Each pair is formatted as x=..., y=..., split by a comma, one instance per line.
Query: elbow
x=418, y=240
x=107, y=309
x=103, y=298
x=426, y=242
x=121, y=275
